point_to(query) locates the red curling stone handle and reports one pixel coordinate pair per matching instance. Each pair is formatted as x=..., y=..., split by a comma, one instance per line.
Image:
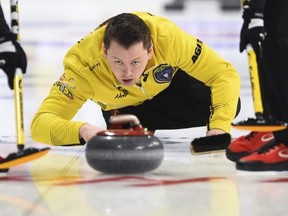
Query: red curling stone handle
x=117, y=122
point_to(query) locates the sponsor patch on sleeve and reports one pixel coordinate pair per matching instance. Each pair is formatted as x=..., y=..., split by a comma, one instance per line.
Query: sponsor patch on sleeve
x=64, y=86
x=163, y=73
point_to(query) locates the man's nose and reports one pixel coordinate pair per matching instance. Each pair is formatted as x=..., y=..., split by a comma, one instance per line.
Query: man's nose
x=127, y=71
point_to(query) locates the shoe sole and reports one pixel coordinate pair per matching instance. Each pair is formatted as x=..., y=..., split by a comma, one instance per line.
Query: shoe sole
x=259, y=166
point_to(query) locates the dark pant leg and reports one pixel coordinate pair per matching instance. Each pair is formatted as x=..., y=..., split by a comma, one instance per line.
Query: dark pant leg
x=185, y=103
x=275, y=51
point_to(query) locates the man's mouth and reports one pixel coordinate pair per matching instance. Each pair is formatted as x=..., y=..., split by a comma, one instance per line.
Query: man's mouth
x=127, y=81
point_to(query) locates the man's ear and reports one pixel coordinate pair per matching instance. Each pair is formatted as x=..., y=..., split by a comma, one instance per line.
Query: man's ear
x=150, y=51
x=104, y=50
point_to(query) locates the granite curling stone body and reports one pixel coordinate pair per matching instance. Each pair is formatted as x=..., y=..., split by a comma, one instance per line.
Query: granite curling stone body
x=118, y=150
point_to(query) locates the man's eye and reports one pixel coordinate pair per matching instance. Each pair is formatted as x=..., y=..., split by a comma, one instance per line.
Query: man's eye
x=135, y=62
x=118, y=62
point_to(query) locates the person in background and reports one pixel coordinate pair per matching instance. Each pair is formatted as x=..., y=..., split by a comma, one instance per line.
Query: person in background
x=12, y=56
x=265, y=27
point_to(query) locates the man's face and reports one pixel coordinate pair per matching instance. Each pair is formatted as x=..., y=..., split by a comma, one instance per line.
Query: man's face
x=127, y=65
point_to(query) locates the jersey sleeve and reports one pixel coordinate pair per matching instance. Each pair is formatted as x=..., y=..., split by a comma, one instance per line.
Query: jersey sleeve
x=204, y=64
x=52, y=122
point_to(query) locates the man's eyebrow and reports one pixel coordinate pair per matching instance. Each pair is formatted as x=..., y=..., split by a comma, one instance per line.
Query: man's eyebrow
x=114, y=57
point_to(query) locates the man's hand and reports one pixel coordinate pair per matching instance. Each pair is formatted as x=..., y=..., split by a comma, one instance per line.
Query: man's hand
x=87, y=131
x=252, y=31
x=213, y=132
x=254, y=34
x=12, y=56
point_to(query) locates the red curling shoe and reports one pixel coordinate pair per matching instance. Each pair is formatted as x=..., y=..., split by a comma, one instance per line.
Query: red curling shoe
x=245, y=145
x=271, y=157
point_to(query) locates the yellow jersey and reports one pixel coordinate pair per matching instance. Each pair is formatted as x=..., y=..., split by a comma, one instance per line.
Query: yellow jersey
x=87, y=76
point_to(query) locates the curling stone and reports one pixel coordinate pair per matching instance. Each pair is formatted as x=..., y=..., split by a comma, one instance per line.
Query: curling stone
x=125, y=148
